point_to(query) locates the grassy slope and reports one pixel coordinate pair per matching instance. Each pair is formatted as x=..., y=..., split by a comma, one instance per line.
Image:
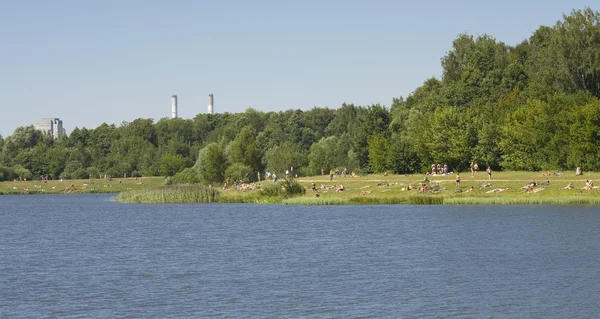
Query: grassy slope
x=553, y=193
x=93, y=186
x=391, y=193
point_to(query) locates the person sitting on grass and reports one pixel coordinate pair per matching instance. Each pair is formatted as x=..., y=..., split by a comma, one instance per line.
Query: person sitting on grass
x=570, y=186
x=470, y=190
x=340, y=189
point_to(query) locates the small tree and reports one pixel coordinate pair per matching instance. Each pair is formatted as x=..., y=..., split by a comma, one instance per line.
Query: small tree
x=211, y=164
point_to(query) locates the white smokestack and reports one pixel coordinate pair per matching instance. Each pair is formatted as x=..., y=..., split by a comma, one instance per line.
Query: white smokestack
x=174, y=106
x=211, y=104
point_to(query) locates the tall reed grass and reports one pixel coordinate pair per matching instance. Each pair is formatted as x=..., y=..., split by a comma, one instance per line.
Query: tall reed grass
x=566, y=200
x=172, y=194
x=313, y=201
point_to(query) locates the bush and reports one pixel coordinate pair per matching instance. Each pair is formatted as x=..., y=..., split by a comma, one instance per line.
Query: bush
x=22, y=172
x=271, y=189
x=292, y=188
x=285, y=188
x=7, y=174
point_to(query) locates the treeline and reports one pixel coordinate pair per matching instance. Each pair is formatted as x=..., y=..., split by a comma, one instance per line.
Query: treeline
x=533, y=106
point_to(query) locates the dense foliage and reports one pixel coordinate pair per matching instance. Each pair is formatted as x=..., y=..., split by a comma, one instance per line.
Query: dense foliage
x=526, y=107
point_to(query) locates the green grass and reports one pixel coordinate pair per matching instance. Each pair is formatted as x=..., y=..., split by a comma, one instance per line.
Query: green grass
x=79, y=186
x=369, y=189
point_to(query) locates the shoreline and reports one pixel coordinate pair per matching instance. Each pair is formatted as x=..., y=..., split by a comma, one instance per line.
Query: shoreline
x=374, y=189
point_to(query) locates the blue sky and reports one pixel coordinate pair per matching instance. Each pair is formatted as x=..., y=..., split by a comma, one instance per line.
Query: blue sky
x=94, y=61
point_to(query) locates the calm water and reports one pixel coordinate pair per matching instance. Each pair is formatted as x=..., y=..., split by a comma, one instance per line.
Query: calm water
x=83, y=256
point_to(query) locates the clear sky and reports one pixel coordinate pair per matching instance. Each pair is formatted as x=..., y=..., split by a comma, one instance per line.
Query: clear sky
x=94, y=61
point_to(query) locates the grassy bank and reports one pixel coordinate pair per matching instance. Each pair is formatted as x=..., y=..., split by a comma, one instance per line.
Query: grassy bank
x=79, y=186
x=369, y=189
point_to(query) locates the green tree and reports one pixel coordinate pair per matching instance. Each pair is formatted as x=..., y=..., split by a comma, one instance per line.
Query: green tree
x=172, y=164
x=379, y=153
x=240, y=172
x=211, y=164
x=280, y=158
x=584, y=135
x=244, y=149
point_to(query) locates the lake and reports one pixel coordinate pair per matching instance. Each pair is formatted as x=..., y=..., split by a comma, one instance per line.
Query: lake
x=85, y=256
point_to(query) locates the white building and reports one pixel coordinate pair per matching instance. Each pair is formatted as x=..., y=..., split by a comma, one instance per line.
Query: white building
x=52, y=126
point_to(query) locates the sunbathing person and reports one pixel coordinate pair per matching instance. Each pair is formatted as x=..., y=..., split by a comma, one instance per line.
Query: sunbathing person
x=486, y=185
x=340, y=189
x=570, y=186
x=529, y=187
x=470, y=190
x=498, y=190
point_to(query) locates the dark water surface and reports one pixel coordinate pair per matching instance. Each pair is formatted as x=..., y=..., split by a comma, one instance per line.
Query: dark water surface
x=83, y=256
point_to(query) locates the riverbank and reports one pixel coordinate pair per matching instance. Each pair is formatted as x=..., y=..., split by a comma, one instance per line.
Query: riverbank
x=502, y=188
x=79, y=186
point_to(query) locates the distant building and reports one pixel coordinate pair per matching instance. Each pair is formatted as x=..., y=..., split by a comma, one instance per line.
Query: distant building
x=211, y=104
x=174, y=106
x=52, y=126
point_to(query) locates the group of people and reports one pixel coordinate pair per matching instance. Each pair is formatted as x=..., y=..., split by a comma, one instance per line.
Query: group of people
x=314, y=187
x=474, y=169
x=439, y=169
x=273, y=176
x=589, y=185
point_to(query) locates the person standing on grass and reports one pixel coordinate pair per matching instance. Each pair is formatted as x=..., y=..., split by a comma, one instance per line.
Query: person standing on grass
x=489, y=171
x=457, y=180
x=472, y=169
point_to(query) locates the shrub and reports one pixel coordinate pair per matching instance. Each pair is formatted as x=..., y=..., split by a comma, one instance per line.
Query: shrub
x=271, y=189
x=22, y=172
x=291, y=188
x=285, y=188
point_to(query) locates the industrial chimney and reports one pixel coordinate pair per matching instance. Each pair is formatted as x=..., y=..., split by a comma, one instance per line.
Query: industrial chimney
x=211, y=104
x=174, y=106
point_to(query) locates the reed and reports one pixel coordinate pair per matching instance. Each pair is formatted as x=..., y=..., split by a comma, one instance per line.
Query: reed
x=313, y=201
x=249, y=199
x=565, y=200
x=172, y=194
